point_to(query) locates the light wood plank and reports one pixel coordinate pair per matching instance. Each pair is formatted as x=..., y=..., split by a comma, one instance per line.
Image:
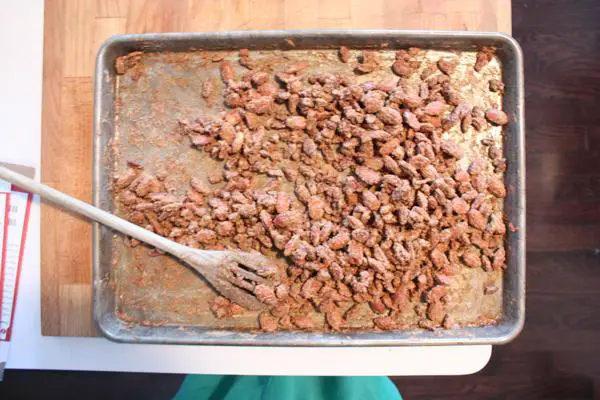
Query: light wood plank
x=76, y=310
x=78, y=38
x=53, y=50
x=111, y=8
x=73, y=31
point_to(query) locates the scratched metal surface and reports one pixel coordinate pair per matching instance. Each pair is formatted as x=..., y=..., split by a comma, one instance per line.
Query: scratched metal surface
x=154, y=299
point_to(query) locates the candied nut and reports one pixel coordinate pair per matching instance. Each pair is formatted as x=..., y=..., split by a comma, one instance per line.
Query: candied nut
x=334, y=318
x=476, y=219
x=296, y=122
x=354, y=222
x=270, y=89
x=259, y=78
x=225, y=228
x=282, y=203
x=477, y=112
x=372, y=102
x=289, y=219
x=145, y=184
x=499, y=258
x=484, y=56
x=220, y=307
x=236, y=309
x=448, y=322
x=355, y=252
x=290, y=174
x=205, y=236
x=361, y=235
x=478, y=123
x=472, y=258
x=366, y=67
x=427, y=72
x=389, y=147
x=435, y=312
x=370, y=200
x=316, y=208
x=207, y=89
x=266, y=294
x=490, y=289
x=247, y=210
x=233, y=100
x=126, y=179
x=387, y=85
x=452, y=96
x=496, y=85
x=280, y=310
x=476, y=167
x=466, y=123
x=121, y=65
x=367, y=175
x=297, y=67
x=282, y=291
x=447, y=66
x=302, y=193
x=344, y=54
x=419, y=161
x=451, y=149
x=303, y=321
x=309, y=147
x=390, y=116
x=496, y=224
x=450, y=121
x=252, y=120
x=499, y=165
x=496, y=116
x=227, y=71
x=460, y=206
x=238, y=142
x=496, y=187
x=260, y=105
x=227, y=133
x=494, y=152
x=385, y=323
x=400, y=299
x=311, y=287
x=435, y=108
x=340, y=240
x=411, y=120
x=267, y=322
x=402, y=68
x=392, y=165
x=438, y=258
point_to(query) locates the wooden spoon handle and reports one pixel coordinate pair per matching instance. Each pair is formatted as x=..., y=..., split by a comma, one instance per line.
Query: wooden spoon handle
x=93, y=213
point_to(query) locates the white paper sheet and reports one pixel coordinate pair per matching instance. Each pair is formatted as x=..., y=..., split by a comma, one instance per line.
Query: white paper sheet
x=16, y=225
x=3, y=198
x=3, y=345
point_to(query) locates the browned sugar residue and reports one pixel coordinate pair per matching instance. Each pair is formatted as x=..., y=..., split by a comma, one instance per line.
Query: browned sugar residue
x=374, y=177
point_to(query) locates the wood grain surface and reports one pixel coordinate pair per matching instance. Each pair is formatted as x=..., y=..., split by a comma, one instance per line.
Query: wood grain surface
x=73, y=31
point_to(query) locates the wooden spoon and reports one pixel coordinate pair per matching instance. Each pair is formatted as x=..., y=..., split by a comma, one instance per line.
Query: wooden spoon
x=233, y=274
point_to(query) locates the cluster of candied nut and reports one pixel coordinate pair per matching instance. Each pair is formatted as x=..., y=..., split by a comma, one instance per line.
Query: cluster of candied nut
x=352, y=183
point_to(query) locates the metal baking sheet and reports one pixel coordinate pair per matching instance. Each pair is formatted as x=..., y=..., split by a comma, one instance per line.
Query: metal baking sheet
x=189, y=324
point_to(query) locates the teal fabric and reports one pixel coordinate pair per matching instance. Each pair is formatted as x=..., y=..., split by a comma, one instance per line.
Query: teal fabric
x=230, y=387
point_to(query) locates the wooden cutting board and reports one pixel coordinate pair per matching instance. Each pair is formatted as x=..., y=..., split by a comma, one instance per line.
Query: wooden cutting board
x=73, y=31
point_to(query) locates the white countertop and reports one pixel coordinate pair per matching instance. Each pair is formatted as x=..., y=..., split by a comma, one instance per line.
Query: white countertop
x=21, y=37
